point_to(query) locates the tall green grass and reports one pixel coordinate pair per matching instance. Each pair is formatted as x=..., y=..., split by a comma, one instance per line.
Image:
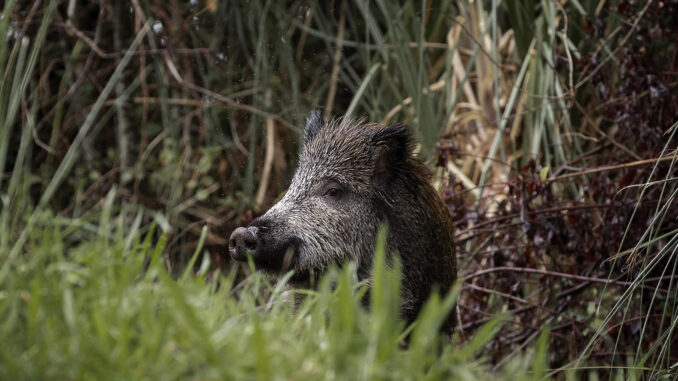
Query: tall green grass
x=660, y=260
x=107, y=308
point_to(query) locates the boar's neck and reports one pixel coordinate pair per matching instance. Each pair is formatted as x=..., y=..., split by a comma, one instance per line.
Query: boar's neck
x=421, y=231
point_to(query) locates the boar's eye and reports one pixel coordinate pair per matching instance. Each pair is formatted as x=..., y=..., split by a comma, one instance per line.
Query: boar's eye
x=332, y=191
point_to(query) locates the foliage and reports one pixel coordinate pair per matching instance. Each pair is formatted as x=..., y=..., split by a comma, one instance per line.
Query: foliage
x=551, y=125
x=108, y=309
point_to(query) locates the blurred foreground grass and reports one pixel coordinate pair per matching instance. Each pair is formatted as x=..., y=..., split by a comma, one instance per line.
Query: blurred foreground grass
x=108, y=309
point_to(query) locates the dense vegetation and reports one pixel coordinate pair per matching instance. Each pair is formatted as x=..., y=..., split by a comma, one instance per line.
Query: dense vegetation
x=135, y=136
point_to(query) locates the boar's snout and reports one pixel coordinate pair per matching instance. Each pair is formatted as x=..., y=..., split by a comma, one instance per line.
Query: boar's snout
x=243, y=241
x=268, y=242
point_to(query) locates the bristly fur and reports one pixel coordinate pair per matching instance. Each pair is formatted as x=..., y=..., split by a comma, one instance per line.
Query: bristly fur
x=314, y=123
x=381, y=181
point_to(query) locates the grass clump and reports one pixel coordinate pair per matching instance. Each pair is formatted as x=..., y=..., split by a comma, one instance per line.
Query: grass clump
x=107, y=308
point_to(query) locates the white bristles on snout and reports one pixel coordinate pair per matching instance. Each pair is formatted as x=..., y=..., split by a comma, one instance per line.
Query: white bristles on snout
x=354, y=176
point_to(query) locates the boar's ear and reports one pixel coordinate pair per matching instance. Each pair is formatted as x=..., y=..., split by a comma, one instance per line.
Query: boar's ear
x=314, y=123
x=392, y=146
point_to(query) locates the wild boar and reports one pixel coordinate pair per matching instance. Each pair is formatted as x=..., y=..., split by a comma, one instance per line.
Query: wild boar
x=352, y=177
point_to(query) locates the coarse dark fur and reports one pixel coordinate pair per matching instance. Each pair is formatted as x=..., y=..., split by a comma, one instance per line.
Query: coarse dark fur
x=352, y=177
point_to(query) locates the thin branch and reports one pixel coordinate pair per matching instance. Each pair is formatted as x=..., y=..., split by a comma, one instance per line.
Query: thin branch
x=334, y=77
x=606, y=168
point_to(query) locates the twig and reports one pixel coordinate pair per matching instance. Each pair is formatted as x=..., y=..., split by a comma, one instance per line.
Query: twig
x=634, y=249
x=121, y=116
x=603, y=134
x=90, y=189
x=586, y=79
x=546, y=272
x=220, y=98
x=72, y=30
x=304, y=33
x=508, y=296
x=532, y=212
x=157, y=100
x=268, y=159
x=457, y=310
x=140, y=19
x=567, y=50
x=433, y=87
x=233, y=104
x=22, y=32
x=40, y=143
x=635, y=97
x=210, y=238
x=612, y=167
x=567, y=165
x=521, y=346
x=559, y=274
x=334, y=77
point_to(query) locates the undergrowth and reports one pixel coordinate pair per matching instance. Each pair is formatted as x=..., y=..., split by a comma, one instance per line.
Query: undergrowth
x=107, y=308
x=135, y=137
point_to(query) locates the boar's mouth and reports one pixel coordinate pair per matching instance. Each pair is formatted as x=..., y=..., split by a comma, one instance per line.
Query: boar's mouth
x=276, y=253
x=271, y=251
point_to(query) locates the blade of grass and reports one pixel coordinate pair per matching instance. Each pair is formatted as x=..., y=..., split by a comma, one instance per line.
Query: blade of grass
x=361, y=90
x=17, y=91
x=4, y=44
x=71, y=155
x=504, y=120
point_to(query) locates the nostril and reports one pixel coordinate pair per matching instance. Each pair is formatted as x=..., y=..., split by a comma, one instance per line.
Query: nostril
x=250, y=243
x=243, y=242
x=250, y=238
